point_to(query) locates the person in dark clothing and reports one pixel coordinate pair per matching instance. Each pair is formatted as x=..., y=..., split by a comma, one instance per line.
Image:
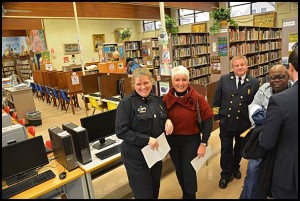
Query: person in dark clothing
x=280, y=135
x=141, y=117
x=186, y=142
x=234, y=92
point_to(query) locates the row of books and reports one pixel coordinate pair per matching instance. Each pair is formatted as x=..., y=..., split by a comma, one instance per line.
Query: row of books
x=254, y=34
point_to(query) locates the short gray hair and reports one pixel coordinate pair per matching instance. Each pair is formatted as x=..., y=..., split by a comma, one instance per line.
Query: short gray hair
x=180, y=70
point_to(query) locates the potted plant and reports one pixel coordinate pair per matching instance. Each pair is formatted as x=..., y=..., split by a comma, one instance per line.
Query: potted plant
x=221, y=15
x=170, y=25
x=125, y=34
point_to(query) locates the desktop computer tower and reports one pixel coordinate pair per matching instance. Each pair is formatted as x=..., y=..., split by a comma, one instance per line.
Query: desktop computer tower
x=12, y=134
x=80, y=140
x=63, y=148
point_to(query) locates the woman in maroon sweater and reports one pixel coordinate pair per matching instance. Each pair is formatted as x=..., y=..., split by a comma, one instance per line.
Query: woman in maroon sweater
x=186, y=143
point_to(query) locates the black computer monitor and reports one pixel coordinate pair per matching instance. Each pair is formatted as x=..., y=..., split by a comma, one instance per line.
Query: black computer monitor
x=20, y=160
x=100, y=126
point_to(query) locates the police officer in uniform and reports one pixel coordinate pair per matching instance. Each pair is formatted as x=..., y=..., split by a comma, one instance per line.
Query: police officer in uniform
x=141, y=117
x=234, y=92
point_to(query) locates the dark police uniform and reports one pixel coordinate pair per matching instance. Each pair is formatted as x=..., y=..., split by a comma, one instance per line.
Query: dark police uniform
x=137, y=119
x=230, y=106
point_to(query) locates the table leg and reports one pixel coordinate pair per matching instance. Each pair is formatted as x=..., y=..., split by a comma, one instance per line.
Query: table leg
x=72, y=104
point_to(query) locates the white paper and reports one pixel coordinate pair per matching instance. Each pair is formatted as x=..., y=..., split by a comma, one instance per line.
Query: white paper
x=152, y=156
x=198, y=162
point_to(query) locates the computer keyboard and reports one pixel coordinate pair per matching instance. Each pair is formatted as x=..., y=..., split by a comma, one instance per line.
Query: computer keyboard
x=27, y=184
x=113, y=99
x=109, y=152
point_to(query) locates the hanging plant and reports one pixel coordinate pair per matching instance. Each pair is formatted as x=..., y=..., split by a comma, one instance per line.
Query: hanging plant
x=171, y=25
x=125, y=34
x=220, y=15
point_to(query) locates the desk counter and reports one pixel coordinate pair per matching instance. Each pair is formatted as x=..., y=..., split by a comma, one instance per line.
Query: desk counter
x=74, y=183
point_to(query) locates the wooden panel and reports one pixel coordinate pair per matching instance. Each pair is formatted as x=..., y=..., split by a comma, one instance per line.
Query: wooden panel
x=46, y=79
x=73, y=87
x=89, y=83
x=53, y=79
x=21, y=24
x=62, y=82
x=11, y=33
x=37, y=77
x=115, y=10
x=40, y=9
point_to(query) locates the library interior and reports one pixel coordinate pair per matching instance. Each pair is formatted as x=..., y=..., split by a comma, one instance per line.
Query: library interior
x=67, y=66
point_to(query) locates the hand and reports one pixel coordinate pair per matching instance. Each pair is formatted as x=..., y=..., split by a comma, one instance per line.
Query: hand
x=201, y=150
x=153, y=143
x=168, y=127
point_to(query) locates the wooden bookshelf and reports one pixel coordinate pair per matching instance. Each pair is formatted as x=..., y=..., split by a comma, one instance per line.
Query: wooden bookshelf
x=150, y=52
x=192, y=51
x=8, y=66
x=24, y=66
x=132, y=49
x=261, y=45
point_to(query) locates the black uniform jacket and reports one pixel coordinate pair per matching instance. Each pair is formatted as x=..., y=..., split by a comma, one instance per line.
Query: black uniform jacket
x=139, y=118
x=230, y=105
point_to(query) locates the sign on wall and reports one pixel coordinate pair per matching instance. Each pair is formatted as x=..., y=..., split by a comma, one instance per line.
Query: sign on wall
x=264, y=20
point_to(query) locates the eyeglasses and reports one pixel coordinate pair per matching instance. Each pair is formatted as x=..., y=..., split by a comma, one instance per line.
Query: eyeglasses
x=279, y=77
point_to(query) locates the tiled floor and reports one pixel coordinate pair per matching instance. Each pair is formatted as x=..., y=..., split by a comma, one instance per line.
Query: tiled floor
x=114, y=184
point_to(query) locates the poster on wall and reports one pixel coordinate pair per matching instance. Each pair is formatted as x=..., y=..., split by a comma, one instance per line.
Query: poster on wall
x=14, y=45
x=222, y=46
x=98, y=40
x=293, y=38
x=215, y=65
x=165, y=56
x=37, y=40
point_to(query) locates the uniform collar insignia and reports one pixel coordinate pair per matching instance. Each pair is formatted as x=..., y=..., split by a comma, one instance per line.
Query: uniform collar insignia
x=247, y=79
x=231, y=77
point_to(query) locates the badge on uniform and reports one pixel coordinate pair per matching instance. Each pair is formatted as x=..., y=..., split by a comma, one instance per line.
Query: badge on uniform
x=142, y=109
x=249, y=91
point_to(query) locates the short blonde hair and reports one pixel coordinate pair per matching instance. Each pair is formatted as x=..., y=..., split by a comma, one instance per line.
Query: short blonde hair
x=180, y=70
x=238, y=57
x=141, y=72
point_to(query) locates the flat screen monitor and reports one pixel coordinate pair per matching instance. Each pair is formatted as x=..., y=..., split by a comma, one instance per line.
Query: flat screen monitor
x=100, y=126
x=20, y=160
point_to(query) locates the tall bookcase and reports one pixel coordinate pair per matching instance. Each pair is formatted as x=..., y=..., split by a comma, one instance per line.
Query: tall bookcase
x=24, y=66
x=132, y=49
x=261, y=45
x=150, y=52
x=8, y=66
x=192, y=50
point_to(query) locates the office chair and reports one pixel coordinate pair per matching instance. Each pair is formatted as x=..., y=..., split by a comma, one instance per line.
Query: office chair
x=94, y=104
x=31, y=130
x=22, y=121
x=14, y=115
x=65, y=100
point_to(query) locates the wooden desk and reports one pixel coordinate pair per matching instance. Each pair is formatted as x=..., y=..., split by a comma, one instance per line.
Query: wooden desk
x=97, y=164
x=74, y=184
x=71, y=94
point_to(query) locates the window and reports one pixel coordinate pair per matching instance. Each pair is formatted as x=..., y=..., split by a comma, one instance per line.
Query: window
x=151, y=25
x=249, y=8
x=186, y=16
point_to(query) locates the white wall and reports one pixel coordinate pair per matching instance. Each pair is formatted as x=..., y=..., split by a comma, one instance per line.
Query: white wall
x=63, y=31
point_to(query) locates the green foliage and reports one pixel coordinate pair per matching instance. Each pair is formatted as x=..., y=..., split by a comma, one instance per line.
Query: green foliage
x=218, y=15
x=171, y=25
x=125, y=34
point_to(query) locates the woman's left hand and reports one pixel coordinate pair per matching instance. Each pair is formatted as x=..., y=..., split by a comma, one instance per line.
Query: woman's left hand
x=201, y=150
x=168, y=127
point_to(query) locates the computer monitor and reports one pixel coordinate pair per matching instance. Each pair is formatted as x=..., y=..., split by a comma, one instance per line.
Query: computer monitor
x=20, y=160
x=100, y=126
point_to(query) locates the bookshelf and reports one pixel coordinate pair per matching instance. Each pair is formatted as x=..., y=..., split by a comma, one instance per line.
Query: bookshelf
x=192, y=50
x=133, y=49
x=261, y=45
x=23, y=66
x=8, y=66
x=150, y=52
